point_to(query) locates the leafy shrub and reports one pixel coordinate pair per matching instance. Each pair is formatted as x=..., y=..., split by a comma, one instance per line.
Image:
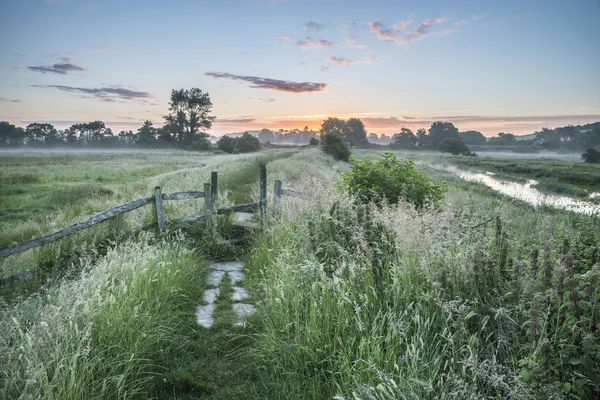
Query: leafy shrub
x=591, y=156
x=313, y=141
x=245, y=144
x=454, y=146
x=200, y=144
x=336, y=146
x=390, y=179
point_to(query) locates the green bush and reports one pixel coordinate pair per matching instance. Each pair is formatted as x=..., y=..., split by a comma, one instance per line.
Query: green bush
x=390, y=179
x=454, y=146
x=245, y=144
x=313, y=141
x=336, y=146
x=591, y=156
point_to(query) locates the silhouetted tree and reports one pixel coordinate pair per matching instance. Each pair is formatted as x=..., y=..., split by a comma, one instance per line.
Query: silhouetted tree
x=147, y=133
x=355, y=133
x=265, y=136
x=41, y=133
x=441, y=130
x=454, y=146
x=591, y=156
x=405, y=139
x=189, y=112
x=11, y=135
x=472, y=138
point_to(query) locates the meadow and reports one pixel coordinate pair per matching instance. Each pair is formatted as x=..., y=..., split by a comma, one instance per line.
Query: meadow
x=481, y=297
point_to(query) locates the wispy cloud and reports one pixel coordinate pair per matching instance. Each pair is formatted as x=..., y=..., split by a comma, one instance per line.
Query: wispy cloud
x=235, y=120
x=353, y=42
x=108, y=94
x=477, y=16
x=312, y=26
x=286, y=38
x=309, y=43
x=346, y=62
x=393, y=35
x=61, y=69
x=272, y=84
x=261, y=99
x=5, y=100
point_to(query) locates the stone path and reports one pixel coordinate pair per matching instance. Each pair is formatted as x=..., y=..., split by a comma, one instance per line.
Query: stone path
x=234, y=269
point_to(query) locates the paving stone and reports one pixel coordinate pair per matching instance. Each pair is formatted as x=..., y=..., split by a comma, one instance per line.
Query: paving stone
x=210, y=295
x=235, y=277
x=239, y=294
x=204, y=315
x=228, y=266
x=214, y=278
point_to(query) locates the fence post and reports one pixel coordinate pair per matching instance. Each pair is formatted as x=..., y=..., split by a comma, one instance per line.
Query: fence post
x=214, y=187
x=160, y=211
x=263, y=196
x=276, y=199
x=208, y=211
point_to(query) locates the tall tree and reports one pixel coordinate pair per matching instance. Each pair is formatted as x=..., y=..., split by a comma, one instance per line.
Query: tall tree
x=405, y=139
x=355, y=133
x=89, y=132
x=41, y=133
x=441, y=130
x=265, y=136
x=423, y=139
x=472, y=138
x=147, y=133
x=189, y=112
x=10, y=135
x=333, y=125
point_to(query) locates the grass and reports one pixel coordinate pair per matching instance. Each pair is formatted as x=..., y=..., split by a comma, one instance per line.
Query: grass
x=353, y=302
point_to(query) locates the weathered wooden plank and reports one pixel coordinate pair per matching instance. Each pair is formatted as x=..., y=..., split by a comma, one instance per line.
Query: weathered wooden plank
x=294, y=193
x=183, y=196
x=263, y=196
x=277, y=198
x=18, y=276
x=238, y=208
x=160, y=211
x=208, y=210
x=214, y=190
x=190, y=219
x=17, y=248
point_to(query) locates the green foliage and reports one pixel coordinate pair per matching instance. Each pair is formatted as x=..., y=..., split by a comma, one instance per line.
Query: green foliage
x=591, y=156
x=352, y=130
x=406, y=139
x=189, y=112
x=313, y=141
x=441, y=130
x=472, y=138
x=336, y=146
x=390, y=179
x=244, y=144
x=454, y=146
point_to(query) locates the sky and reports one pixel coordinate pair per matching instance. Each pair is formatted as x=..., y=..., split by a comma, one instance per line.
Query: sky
x=493, y=66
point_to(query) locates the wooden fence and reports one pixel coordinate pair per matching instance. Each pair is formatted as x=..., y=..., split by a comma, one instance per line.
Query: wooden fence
x=211, y=202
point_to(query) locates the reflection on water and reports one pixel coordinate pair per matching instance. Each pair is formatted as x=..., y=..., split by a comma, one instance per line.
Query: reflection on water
x=524, y=191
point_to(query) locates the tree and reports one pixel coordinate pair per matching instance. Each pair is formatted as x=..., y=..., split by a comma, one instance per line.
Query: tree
x=406, y=139
x=189, y=113
x=90, y=131
x=265, y=136
x=11, y=135
x=313, y=141
x=226, y=144
x=356, y=133
x=41, y=133
x=441, y=130
x=454, y=146
x=423, y=139
x=247, y=143
x=127, y=136
x=336, y=146
x=472, y=138
x=590, y=139
x=503, y=139
x=147, y=133
x=591, y=156
x=333, y=125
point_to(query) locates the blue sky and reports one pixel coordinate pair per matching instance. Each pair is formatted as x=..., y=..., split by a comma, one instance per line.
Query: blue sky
x=511, y=66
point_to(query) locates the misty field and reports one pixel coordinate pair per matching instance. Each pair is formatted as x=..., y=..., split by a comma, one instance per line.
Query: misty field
x=481, y=296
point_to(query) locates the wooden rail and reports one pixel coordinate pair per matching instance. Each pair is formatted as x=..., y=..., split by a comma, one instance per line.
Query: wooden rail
x=210, y=195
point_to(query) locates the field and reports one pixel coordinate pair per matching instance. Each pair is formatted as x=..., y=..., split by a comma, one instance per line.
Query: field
x=481, y=297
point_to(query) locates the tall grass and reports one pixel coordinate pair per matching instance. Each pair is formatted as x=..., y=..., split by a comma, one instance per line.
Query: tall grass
x=104, y=334
x=366, y=302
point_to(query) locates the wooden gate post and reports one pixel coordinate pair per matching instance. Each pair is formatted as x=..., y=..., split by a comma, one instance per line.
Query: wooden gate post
x=208, y=211
x=214, y=187
x=276, y=199
x=263, y=196
x=160, y=211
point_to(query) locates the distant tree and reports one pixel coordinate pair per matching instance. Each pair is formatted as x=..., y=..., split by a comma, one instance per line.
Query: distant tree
x=356, y=133
x=167, y=133
x=247, y=143
x=313, y=141
x=333, y=125
x=265, y=135
x=503, y=139
x=10, y=135
x=189, y=112
x=405, y=139
x=335, y=145
x=441, y=130
x=454, y=146
x=591, y=156
x=147, y=133
x=127, y=137
x=472, y=138
x=90, y=132
x=423, y=139
x=373, y=138
x=41, y=133
x=590, y=139
x=226, y=144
